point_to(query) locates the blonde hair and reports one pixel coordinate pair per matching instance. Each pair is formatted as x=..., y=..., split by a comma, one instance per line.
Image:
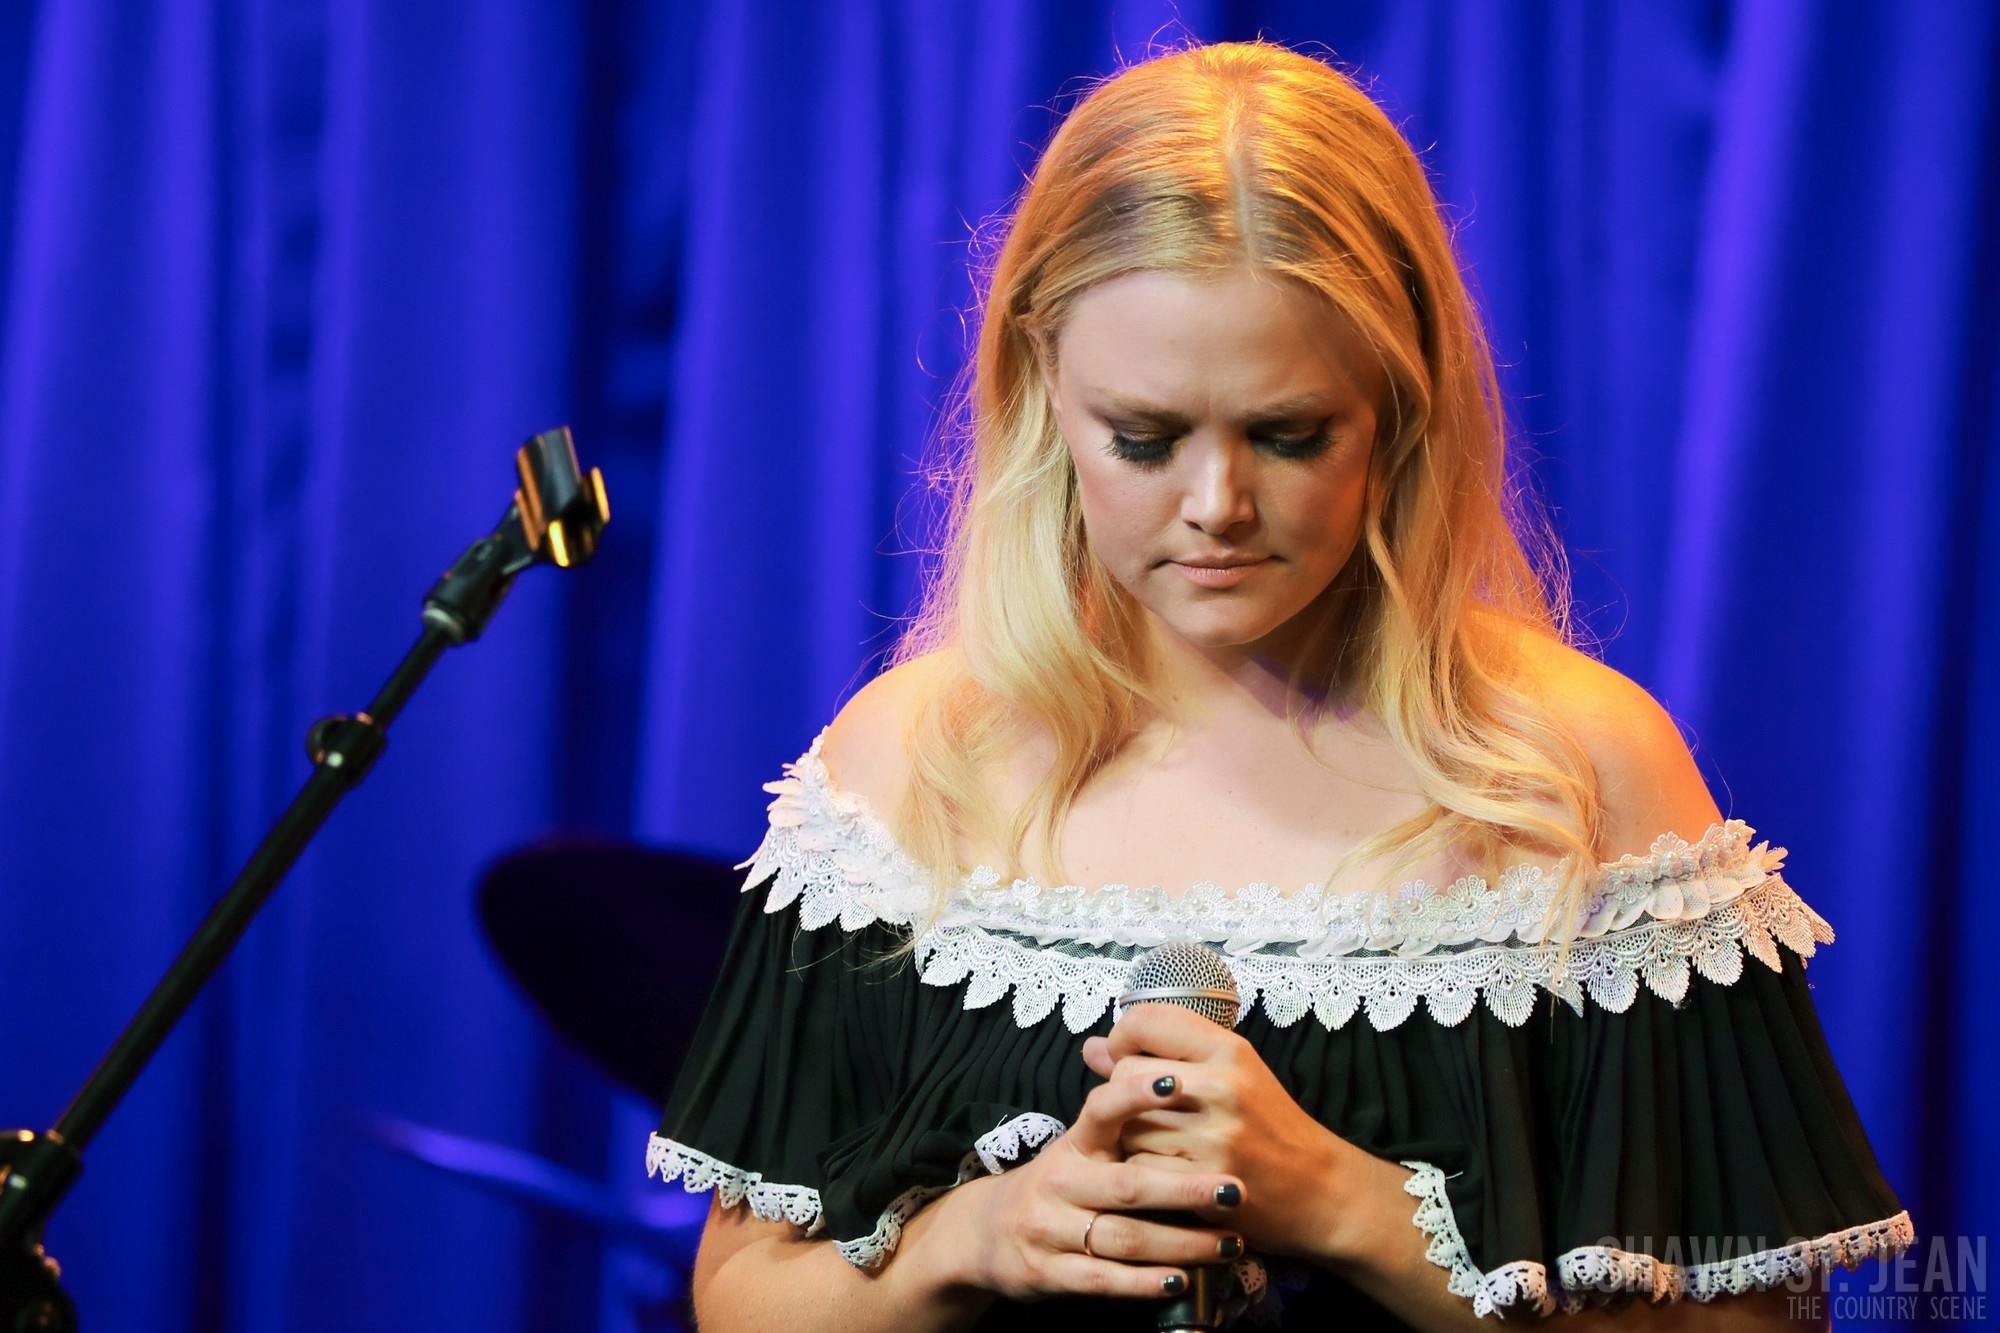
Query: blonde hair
x=1198, y=162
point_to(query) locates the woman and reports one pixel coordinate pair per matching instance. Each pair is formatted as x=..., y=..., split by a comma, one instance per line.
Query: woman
x=1233, y=600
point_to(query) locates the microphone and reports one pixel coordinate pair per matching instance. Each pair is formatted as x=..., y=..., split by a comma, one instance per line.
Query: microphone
x=1187, y=974
x=1192, y=976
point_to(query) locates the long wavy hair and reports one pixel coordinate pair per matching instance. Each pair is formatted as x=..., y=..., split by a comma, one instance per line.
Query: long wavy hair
x=1205, y=160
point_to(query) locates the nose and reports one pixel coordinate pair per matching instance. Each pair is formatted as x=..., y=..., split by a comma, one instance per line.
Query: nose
x=1221, y=488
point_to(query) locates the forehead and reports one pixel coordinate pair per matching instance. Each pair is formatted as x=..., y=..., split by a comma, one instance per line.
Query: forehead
x=1212, y=342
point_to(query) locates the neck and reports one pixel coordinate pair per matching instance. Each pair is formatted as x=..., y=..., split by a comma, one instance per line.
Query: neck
x=1198, y=685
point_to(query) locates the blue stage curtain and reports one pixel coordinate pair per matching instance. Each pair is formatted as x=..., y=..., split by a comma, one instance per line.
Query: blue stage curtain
x=1740, y=265
x=283, y=281
x=287, y=283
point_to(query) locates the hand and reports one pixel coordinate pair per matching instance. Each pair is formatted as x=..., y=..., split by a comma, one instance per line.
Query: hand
x=1025, y=1228
x=1225, y=1113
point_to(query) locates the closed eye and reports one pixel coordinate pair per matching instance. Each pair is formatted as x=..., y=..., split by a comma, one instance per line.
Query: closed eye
x=1299, y=446
x=1146, y=451
x=1153, y=451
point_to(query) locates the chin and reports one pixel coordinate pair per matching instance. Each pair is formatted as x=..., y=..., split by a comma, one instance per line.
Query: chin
x=1222, y=631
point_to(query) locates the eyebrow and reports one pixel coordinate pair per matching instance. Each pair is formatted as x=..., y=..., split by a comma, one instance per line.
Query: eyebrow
x=1289, y=409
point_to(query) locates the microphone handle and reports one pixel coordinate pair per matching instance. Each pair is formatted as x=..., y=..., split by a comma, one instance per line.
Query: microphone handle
x=1194, y=977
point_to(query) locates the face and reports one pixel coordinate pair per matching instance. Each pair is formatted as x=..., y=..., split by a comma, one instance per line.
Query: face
x=1221, y=429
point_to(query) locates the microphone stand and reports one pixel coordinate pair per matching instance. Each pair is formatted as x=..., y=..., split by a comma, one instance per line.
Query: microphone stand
x=556, y=517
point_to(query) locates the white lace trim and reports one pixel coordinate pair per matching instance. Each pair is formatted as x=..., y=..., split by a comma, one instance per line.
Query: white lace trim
x=1647, y=919
x=1603, y=1268
x=999, y=1148
x=1006, y=1144
x=1508, y=1285
x=1661, y=954
x=1650, y=919
x=1599, y=1268
x=839, y=862
x=873, y=1249
x=699, y=1173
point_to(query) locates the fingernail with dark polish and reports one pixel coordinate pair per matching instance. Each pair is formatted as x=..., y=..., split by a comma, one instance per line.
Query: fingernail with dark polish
x=1229, y=1246
x=1228, y=1196
x=1173, y=1284
x=1164, y=1085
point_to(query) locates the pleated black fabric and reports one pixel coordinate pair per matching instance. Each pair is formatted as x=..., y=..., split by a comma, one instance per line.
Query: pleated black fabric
x=1694, y=1132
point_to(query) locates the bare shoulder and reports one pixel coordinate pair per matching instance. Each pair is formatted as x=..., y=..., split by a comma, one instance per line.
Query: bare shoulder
x=867, y=745
x=1647, y=779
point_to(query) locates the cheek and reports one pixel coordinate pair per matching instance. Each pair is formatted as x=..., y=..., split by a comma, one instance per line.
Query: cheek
x=1121, y=518
x=1324, y=521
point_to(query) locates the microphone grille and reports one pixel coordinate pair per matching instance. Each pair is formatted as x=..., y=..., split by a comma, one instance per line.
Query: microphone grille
x=1187, y=974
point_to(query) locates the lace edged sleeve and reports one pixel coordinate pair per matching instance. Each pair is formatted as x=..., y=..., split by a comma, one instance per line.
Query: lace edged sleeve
x=1682, y=1149
x=797, y=1051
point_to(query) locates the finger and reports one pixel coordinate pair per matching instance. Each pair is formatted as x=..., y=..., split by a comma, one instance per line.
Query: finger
x=1084, y=1275
x=1123, y=1187
x=1220, y=1207
x=1168, y=1162
x=1170, y=1142
x=1097, y=1055
x=1170, y=1031
x=1094, y=1139
x=1140, y=1240
x=1109, y=1105
x=1174, y=1083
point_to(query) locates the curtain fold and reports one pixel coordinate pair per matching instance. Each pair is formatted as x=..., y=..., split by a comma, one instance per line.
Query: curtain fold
x=288, y=282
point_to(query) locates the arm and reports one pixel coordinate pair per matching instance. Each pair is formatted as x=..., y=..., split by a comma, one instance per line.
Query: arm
x=1647, y=780
x=753, y=1274
x=1376, y=1246
x=1649, y=783
x=1019, y=1234
x=1315, y=1196
x=1312, y=1195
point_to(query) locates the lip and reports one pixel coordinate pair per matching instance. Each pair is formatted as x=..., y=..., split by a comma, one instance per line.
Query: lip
x=1219, y=573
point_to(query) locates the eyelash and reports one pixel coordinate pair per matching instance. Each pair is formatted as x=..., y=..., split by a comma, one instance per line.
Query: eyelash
x=1154, y=453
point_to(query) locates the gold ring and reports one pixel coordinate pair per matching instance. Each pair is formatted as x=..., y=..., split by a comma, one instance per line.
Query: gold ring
x=1086, y=1233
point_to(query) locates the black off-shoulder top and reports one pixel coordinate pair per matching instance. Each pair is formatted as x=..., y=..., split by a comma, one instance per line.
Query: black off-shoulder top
x=1651, y=1111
